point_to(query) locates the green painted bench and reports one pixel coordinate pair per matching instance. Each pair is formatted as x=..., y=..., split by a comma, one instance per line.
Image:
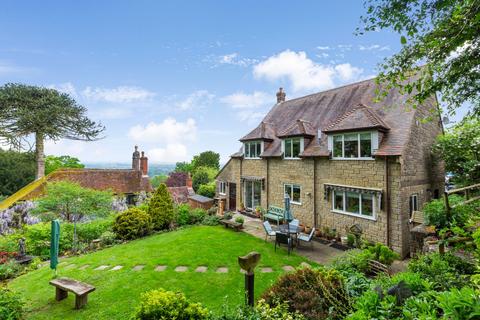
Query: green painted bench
x=274, y=213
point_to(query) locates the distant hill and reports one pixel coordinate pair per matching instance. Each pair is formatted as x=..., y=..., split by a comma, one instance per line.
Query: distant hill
x=153, y=168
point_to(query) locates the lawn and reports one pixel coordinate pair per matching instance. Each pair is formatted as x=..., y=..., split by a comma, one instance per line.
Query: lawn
x=118, y=291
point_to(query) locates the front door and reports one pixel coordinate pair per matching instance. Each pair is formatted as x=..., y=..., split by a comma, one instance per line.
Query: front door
x=232, y=195
x=253, y=190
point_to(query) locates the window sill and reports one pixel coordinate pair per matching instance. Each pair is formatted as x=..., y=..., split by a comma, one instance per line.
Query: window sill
x=284, y=158
x=253, y=158
x=222, y=194
x=371, y=218
x=353, y=158
x=296, y=203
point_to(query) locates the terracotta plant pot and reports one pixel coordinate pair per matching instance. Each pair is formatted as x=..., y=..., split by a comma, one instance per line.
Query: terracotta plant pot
x=301, y=228
x=308, y=229
x=318, y=233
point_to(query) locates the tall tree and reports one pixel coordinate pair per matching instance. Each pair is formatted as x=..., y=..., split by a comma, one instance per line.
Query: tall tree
x=45, y=114
x=206, y=159
x=440, y=44
x=17, y=169
x=53, y=163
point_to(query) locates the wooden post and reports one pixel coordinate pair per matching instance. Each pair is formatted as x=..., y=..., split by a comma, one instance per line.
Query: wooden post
x=249, y=288
x=60, y=294
x=447, y=207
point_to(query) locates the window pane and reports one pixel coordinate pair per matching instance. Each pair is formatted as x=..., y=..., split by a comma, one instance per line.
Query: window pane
x=288, y=148
x=296, y=194
x=338, y=200
x=296, y=148
x=366, y=145
x=353, y=202
x=337, y=146
x=247, y=150
x=367, y=205
x=351, y=145
x=288, y=190
x=259, y=149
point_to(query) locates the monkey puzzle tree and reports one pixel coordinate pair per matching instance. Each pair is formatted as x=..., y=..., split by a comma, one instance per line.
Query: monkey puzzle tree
x=43, y=113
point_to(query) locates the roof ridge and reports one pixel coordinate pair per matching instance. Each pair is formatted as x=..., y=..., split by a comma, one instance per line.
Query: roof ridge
x=368, y=111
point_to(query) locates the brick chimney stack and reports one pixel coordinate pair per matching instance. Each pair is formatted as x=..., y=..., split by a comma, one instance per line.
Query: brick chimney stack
x=136, y=159
x=189, y=181
x=281, y=95
x=144, y=164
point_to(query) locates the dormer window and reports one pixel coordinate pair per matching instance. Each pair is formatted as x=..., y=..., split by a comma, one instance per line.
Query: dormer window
x=253, y=149
x=292, y=148
x=354, y=145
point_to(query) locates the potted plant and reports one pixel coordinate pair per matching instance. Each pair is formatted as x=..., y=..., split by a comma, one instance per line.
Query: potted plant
x=258, y=211
x=318, y=233
x=242, y=206
x=227, y=215
x=308, y=229
x=301, y=227
x=239, y=220
x=350, y=239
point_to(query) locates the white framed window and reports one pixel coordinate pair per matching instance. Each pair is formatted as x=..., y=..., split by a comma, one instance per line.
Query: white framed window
x=354, y=204
x=413, y=203
x=359, y=145
x=292, y=147
x=253, y=149
x=222, y=187
x=294, y=191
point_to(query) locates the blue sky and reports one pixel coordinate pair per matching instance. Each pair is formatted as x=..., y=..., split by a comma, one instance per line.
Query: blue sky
x=178, y=77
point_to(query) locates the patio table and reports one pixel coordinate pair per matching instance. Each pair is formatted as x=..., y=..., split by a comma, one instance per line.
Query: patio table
x=291, y=230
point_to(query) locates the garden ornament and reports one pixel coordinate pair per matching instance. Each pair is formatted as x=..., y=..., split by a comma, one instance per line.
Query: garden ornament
x=248, y=263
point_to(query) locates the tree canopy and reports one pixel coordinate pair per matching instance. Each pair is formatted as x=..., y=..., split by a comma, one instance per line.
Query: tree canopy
x=440, y=45
x=17, y=169
x=206, y=159
x=53, y=163
x=27, y=111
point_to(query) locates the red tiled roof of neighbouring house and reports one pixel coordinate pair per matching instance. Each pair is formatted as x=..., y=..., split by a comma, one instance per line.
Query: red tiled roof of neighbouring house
x=181, y=194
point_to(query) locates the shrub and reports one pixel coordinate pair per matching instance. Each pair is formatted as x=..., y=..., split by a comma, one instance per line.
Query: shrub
x=89, y=231
x=239, y=220
x=161, y=304
x=131, y=224
x=207, y=190
x=183, y=214
x=436, y=215
x=261, y=311
x=315, y=293
x=11, y=305
x=211, y=220
x=383, y=253
x=197, y=215
x=10, y=269
x=460, y=304
x=354, y=259
x=108, y=238
x=213, y=210
x=160, y=208
x=444, y=271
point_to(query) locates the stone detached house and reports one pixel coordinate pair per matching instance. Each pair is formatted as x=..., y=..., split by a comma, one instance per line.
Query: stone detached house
x=344, y=159
x=125, y=182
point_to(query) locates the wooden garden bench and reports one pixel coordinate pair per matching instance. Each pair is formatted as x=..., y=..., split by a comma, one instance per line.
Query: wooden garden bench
x=275, y=213
x=232, y=224
x=80, y=289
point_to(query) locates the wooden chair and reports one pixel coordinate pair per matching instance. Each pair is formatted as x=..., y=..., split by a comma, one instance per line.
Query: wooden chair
x=282, y=238
x=306, y=237
x=268, y=230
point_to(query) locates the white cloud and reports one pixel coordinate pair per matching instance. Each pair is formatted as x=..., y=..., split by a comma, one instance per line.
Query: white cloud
x=174, y=152
x=66, y=87
x=347, y=72
x=323, y=48
x=169, y=131
x=303, y=73
x=234, y=59
x=119, y=94
x=240, y=100
x=199, y=98
x=8, y=68
x=375, y=47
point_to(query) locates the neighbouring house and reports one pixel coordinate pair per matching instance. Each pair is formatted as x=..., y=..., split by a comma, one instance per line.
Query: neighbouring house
x=199, y=201
x=124, y=182
x=181, y=194
x=344, y=159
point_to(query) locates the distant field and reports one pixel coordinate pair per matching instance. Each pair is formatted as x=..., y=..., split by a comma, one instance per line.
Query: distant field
x=153, y=168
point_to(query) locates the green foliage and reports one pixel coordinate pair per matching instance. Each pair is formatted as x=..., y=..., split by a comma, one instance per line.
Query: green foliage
x=17, y=169
x=239, y=220
x=155, y=181
x=203, y=175
x=53, y=163
x=315, y=293
x=183, y=167
x=436, y=215
x=383, y=254
x=11, y=305
x=444, y=271
x=262, y=311
x=10, y=269
x=108, y=238
x=356, y=283
x=182, y=215
x=439, y=43
x=350, y=239
x=160, y=208
x=211, y=220
x=460, y=304
x=208, y=159
x=67, y=200
x=162, y=304
x=132, y=224
x=207, y=190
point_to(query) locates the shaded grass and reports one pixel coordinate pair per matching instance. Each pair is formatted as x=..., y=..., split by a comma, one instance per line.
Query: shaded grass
x=118, y=292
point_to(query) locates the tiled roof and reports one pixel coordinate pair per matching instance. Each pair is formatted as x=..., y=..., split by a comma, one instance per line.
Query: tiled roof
x=181, y=194
x=299, y=128
x=264, y=131
x=345, y=108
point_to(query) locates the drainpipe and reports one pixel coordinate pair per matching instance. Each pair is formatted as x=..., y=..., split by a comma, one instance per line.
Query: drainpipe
x=315, y=217
x=267, y=182
x=240, y=185
x=387, y=200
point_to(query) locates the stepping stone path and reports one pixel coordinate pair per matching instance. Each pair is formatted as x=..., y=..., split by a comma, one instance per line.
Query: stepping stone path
x=62, y=263
x=138, y=268
x=222, y=270
x=160, y=268
x=116, y=268
x=201, y=269
x=84, y=267
x=70, y=266
x=288, y=268
x=181, y=269
x=266, y=270
x=102, y=268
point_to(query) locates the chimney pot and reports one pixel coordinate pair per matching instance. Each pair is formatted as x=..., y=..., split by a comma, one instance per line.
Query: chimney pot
x=136, y=159
x=281, y=95
x=189, y=181
x=144, y=164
